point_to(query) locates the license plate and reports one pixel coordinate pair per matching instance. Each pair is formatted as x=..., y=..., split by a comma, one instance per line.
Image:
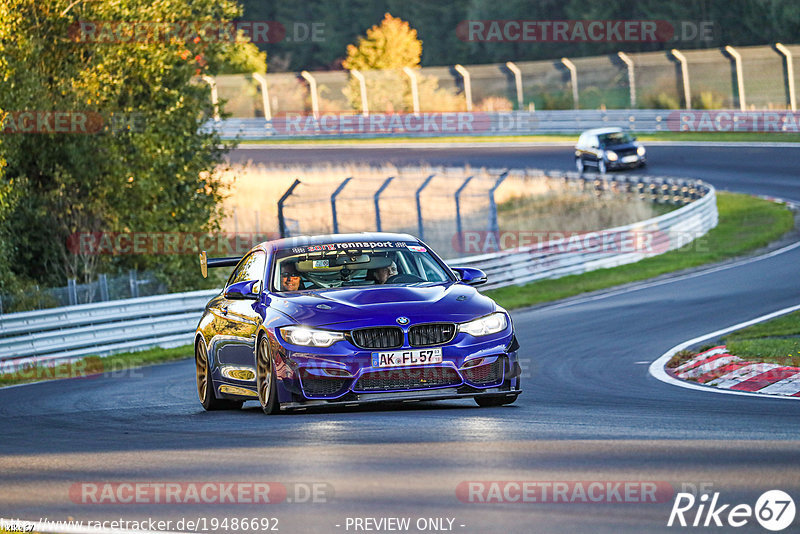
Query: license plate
x=630, y=159
x=406, y=357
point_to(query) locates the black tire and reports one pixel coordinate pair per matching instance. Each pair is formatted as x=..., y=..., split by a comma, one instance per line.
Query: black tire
x=205, y=383
x=495, y=400
x=579, y=165
x=266, y=381
x=601, y=167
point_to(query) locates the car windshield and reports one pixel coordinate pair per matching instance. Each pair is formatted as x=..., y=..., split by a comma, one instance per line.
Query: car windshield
x=616, y=138
x=340, y=265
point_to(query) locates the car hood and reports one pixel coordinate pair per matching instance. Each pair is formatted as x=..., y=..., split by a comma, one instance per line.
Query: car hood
x=623, y=146
x=374, y=306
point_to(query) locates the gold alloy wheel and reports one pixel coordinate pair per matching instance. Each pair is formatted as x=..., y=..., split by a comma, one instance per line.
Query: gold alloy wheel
x=264, y=372
x=201, y=364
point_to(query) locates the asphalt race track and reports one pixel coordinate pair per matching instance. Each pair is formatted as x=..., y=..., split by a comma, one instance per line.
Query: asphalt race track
x=589, y=411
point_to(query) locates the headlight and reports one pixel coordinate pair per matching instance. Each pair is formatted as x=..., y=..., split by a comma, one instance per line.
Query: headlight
x=310, y=337
x=611, y=155
x=490, y=324
x=640, y=150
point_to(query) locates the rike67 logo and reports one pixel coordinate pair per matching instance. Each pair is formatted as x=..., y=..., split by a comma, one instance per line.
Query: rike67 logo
x=774, y=510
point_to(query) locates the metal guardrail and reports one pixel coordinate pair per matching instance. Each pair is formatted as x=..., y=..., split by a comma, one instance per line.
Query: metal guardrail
x=459, y=124
x=99, y=329
x=69, y=333
x=549, y=260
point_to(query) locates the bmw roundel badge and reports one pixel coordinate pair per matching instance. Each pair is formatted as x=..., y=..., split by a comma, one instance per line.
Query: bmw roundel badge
x=402, y=320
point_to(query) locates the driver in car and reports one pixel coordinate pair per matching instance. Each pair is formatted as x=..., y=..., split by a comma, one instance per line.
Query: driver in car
x=382, y=274
x=290, y=278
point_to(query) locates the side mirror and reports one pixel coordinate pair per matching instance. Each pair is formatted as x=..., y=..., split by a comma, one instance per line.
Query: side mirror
x=470, y=276
x=248, y=290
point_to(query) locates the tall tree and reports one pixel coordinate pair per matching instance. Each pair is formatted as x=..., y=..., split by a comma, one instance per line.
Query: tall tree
x=148, y=166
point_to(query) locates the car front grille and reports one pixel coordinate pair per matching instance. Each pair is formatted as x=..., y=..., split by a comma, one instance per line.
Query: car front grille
x=483, y=375
x=401, y=379
x=382, y=337
x=318, y=386
x=423, y=335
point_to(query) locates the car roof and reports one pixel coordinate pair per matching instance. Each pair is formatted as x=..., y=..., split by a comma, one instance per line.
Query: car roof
x=599, y=131
x=334, y=238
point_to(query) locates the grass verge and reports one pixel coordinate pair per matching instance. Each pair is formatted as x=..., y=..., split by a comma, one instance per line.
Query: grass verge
x=776, y=341
x=745, y=224
x=768, y=137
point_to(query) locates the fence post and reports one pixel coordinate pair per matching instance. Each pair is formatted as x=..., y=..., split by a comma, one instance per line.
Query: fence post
x=737, y=63
x=631, y=76
x=573, y=77
x=214, y=95
x=420, y=226
x=459, y=229
x=494, y=226
x=103, y=282
x=312, y=85
x=72, y=292
x=264, y=95
x=380, y=190
x=787, y=56
x=281, y=218
x=412, y=76
x=362, y=84
x=687, y=93
x=467, y=85
x=133, y=282
x=517, y=83
x=333, y=204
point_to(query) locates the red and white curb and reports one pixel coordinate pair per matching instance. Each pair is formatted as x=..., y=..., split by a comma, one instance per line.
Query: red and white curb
x=717, y=371
x=716, y=367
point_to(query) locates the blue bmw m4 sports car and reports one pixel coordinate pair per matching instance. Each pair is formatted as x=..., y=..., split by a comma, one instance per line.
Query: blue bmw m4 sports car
x=351, y=319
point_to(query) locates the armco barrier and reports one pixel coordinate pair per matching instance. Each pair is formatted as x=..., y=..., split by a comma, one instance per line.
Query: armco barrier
x=63, y=334
x=469, y=124
x=549, y=260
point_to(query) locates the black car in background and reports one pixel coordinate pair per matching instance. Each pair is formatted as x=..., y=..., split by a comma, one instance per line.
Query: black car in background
x=608, y=148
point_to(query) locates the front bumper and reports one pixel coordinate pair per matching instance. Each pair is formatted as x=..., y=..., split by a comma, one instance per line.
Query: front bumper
x=344, y=374
x=630, y=164
x=405, y=398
